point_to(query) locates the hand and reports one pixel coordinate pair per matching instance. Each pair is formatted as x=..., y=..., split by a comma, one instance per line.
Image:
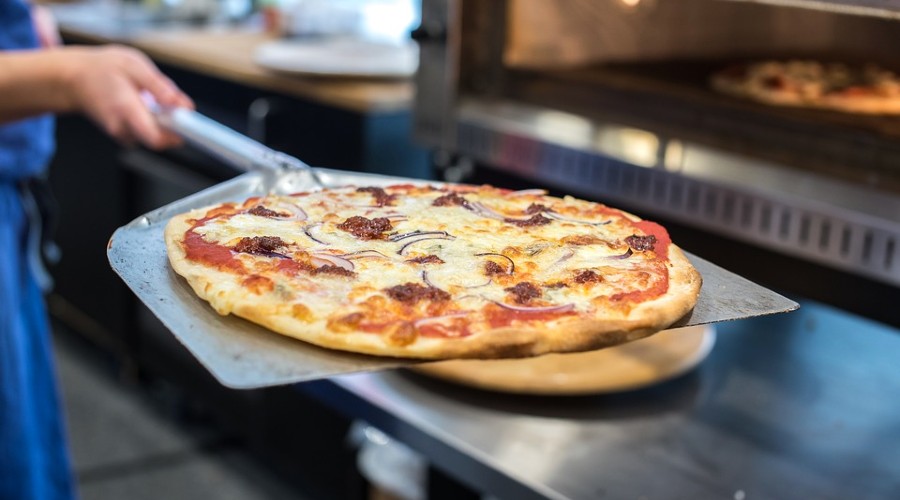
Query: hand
x=106, y=84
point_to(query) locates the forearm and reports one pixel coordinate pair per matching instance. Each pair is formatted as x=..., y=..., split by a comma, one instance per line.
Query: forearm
x=33, y=82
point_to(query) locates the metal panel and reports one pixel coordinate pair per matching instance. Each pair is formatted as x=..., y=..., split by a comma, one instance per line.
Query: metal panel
x=828, y=221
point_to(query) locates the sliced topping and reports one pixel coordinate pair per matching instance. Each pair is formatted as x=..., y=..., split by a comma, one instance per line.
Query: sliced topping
x=261, y=245
x=538, y=309
x=625, y=255
x=427, y=259
x=333, y=270
x=424, y=238
x=524, y=292
x=381, y=197
x=363, y=254
x=262, y=211
x=417, y=232
x=588, y=276
x=554, y=215
x=526, y=192
x=491, y=267
x=536, y=208
x=277, y=209
x=450, y=200
x=308, y=232
x=366, y=229
x=535, y=220
x=641, y=243
x=411, y=293
x=325, y=259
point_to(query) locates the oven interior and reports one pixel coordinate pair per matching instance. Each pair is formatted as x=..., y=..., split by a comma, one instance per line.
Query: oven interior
x=610, y=100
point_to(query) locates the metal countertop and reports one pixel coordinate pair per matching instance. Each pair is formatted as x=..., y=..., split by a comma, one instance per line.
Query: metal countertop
x=799, y=405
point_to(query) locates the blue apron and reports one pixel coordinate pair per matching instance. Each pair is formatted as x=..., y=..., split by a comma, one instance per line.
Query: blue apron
x=33, y=457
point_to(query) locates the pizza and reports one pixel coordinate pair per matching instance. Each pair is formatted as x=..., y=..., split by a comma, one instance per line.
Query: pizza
x=865, y=89
x=435, y=272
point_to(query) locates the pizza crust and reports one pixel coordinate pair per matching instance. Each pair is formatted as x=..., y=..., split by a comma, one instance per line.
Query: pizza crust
x=564, y=334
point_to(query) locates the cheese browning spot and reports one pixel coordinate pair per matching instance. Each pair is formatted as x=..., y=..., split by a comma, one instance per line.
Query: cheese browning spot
x=258, y=284
x=412, y=293
x=302, y=313
x=523, y=292
x=346, y=323
x=404, y=334
x=366, y=229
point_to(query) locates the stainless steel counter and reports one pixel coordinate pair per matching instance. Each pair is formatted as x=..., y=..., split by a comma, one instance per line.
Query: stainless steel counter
x=799, y=405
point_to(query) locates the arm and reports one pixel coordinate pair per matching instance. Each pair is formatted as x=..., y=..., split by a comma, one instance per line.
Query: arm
x=104, y=83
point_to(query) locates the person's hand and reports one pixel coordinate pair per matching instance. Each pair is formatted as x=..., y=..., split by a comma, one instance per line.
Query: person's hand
x=106, y=83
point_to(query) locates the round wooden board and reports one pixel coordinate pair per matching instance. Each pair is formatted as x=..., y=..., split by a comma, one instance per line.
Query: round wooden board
x=648, y=361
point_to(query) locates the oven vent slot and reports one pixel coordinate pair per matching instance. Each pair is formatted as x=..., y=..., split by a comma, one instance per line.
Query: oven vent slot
x=808, y=229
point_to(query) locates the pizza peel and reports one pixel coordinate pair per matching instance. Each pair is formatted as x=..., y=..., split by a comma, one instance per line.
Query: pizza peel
x=243, y=355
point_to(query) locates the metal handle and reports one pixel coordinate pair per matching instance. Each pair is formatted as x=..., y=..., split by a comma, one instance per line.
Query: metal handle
x=222, y=142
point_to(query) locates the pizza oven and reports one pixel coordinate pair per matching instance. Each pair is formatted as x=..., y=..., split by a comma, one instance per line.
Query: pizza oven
x=610, y=100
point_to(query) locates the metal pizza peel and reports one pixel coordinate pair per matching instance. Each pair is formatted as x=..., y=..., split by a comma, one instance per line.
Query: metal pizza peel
x=243, y=355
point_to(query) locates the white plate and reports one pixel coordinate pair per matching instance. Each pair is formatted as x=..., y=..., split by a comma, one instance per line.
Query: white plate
x=339, y=57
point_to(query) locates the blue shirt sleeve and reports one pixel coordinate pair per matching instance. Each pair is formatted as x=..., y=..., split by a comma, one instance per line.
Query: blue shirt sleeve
x=27, y=145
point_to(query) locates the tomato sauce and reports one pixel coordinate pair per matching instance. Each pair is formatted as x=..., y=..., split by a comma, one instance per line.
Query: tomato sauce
x=200, y=250
x=498, y=316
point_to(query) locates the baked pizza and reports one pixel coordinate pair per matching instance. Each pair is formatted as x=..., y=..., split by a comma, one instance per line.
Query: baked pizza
x=435, y=271
x=866, y=89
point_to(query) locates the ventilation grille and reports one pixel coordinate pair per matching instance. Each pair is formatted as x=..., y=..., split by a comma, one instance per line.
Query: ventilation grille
x=810, y=230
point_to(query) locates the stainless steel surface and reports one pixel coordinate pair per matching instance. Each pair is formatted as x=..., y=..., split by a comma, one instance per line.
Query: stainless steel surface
x=833, y=222
x=801, y=405
x=243, y=355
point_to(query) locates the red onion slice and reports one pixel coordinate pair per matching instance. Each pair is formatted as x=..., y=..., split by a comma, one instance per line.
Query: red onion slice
x=538, y=309
x=294, y=211
x=622, y=256
x=486, y=283
x=526, y=192
x=323, y=259
x=512, y=265
x=404, y=247
x=554, y=215
x=417, y=232
x=363, y=254
x=274, y=255
x=567, y=256
x=426, y=280
x=308, y=232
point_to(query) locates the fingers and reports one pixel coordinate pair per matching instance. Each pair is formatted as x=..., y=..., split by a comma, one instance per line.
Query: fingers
x=148, y=77
x=138, y=121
